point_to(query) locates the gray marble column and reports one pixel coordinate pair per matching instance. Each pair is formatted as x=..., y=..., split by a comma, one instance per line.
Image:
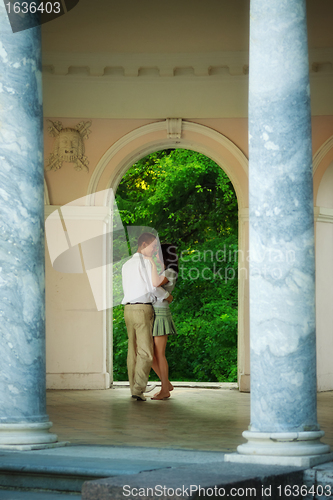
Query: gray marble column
x=23, y=419
x=282, y=294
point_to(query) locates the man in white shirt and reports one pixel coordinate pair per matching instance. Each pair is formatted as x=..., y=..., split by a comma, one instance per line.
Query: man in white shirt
x=139, y=295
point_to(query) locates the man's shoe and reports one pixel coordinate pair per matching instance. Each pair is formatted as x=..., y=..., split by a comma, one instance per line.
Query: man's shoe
x=139, y=397
x=150, y=387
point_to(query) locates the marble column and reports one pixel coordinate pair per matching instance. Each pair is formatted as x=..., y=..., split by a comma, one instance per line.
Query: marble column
x=23, y=419
x=282, y=294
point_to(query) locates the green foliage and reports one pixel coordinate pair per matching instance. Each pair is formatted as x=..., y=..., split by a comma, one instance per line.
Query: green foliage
x=205, y=313
x=182, y=194
x=191, y=202
x=119, y=344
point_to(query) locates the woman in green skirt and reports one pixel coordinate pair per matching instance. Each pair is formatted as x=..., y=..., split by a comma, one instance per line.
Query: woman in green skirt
x=163, y=323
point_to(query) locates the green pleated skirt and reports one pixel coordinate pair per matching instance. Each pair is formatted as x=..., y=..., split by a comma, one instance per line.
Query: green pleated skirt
x=163, y=322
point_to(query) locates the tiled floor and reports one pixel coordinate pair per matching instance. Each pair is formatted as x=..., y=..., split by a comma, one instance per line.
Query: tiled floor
x=193, y=418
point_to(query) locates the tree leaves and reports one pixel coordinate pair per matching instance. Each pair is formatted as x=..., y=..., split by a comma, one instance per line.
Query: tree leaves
x=191, y=202
x=183, y=194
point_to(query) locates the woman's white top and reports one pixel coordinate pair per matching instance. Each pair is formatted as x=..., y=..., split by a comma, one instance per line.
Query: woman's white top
x=171, y=275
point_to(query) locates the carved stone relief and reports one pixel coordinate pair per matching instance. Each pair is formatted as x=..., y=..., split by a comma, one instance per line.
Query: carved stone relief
x=174, y=128
x=68, y=146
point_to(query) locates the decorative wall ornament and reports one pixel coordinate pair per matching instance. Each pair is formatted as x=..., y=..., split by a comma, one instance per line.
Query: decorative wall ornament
x=68, y=146
x=174, y=128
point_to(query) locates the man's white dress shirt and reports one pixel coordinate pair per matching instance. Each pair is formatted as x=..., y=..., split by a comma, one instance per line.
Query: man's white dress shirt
x=137, y=282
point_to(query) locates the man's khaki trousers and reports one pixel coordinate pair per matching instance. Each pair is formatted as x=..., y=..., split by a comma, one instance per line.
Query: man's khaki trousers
x=139, y=320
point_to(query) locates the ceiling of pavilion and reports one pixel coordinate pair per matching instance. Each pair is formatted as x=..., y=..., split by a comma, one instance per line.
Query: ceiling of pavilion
x=150, y=26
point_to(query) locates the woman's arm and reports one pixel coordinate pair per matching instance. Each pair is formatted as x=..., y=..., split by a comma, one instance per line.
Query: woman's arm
x=156, y=279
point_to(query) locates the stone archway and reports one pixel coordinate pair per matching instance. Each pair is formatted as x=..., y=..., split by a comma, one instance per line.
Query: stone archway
x=175, y=133
x=323, y=185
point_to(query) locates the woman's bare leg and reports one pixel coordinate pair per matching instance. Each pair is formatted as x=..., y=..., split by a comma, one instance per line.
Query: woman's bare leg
x=156, y=368
x=162, y=364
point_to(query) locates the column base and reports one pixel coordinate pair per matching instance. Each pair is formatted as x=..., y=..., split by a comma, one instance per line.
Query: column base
x=299, y=449
x=30, y=447
x=26, y=434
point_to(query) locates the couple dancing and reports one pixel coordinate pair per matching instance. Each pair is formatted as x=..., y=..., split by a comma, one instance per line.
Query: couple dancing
x=147, y=314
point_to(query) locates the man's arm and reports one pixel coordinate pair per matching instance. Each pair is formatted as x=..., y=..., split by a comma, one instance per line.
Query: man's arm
x=160, y=293
x=157, y=280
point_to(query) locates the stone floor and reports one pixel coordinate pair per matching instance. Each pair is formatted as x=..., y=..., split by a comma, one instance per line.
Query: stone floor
x=193, y=418
x=154, y=437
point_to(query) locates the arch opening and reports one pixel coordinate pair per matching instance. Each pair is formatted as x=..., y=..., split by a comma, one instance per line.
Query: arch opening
x=190, y=201
x=153, y=137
